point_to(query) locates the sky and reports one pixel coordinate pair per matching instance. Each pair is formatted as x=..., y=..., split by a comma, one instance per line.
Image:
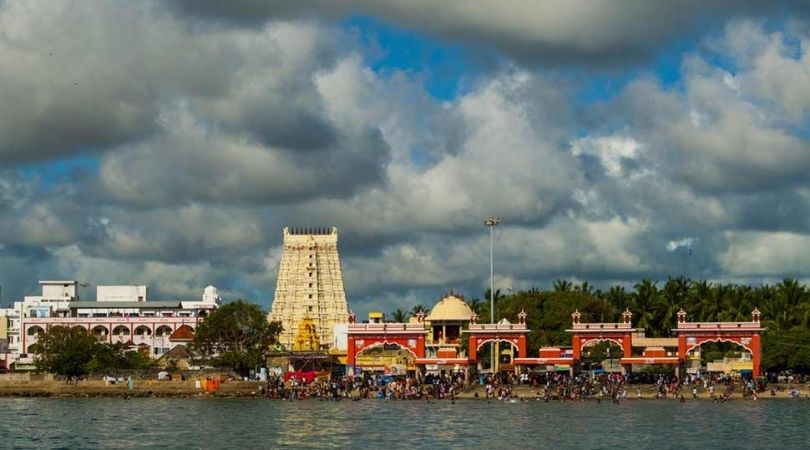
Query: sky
x=169, y=142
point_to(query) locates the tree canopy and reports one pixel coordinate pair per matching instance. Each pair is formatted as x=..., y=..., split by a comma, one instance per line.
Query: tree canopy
x=785, y=309
x=76, y=351
x=237, y=335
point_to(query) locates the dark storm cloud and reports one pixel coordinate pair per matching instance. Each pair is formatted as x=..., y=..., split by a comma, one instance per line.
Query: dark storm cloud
x=293, y=130
x=582, y=32
x=784, y=210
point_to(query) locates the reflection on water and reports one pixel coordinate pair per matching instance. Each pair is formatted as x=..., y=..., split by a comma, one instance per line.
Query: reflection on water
x=231, y=423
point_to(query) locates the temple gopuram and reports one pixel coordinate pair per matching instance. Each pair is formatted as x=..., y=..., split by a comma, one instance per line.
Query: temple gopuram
x=309, y=287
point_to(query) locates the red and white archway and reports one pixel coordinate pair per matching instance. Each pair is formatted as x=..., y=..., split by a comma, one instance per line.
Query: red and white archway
x=747, y=335
x=503, y=331
x=377, y=344
x=362, y=336
x=585, y=334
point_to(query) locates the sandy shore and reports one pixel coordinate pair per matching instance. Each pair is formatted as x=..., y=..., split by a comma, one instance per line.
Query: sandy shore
x=187, y=388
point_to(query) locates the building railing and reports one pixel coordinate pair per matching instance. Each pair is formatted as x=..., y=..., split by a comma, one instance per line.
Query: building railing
x=717, y=325
x=108, y=320
x=385, y=327
x=497, y=327
x=601, y=326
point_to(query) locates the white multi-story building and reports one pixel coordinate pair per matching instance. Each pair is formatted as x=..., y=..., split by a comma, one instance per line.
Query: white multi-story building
x=119, y=314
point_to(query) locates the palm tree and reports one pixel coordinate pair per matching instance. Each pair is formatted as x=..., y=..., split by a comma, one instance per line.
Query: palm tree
x=417, y=308
x=739, y=306
x=717, y=301
x=584, y=288
x=400, y=316
x=698, y=293
x=618, y=298
x=671, y=300
x=562, y=285
x=475, y=305
x=784, y=313
x=644, y=300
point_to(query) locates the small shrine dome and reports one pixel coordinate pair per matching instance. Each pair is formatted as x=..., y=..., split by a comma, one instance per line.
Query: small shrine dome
x=450, y=308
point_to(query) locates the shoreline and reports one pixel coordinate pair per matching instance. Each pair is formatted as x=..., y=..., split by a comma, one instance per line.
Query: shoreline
x=251, y=389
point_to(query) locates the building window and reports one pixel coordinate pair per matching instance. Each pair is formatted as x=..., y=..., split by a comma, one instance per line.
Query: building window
x=310, y=297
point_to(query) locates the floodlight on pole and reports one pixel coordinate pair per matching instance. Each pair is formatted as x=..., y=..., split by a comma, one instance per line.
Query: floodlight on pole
x=492, y=222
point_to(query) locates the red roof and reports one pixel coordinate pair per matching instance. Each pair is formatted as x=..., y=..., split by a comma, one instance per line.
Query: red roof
x=183, y=333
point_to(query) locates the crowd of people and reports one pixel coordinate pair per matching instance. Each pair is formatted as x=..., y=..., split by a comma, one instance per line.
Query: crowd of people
x=367, y=386
x=547, y=387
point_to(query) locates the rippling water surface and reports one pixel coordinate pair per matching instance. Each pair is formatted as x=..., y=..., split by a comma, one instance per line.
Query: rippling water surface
x=238, y=423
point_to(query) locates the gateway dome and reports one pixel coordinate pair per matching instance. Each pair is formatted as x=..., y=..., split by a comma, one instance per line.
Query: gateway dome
x=450, y=307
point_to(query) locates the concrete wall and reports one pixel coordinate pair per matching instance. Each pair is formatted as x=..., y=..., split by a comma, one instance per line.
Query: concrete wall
x=129, y=293
x=56, y=290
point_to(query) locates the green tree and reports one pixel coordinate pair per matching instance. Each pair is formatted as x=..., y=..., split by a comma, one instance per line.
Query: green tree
x=400, y=316
x=417, y=308
x=671, y=299
x=65, y=351
x=619, y=299
x=585, y=288
x=117, y=356
x=237, y=335
x=645, y=300
x=476, y=305
x=562, y=286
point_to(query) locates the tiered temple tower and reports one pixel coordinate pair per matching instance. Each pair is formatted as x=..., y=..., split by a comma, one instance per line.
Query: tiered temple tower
x=310, y=284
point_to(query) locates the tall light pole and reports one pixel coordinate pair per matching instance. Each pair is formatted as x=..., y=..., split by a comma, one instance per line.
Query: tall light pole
x=491, y=222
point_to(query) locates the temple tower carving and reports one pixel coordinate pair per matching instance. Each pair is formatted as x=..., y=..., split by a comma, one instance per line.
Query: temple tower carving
x=310, y=285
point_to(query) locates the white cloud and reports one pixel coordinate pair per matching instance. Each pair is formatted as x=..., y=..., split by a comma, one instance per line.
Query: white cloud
x=680, y=243
x=758, y=254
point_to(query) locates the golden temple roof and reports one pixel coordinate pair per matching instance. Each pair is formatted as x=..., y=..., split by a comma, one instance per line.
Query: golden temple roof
x=450, y=307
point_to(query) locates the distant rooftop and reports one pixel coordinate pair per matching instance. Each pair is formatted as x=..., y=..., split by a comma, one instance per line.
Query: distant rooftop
x=108, y=305
x=58, y=282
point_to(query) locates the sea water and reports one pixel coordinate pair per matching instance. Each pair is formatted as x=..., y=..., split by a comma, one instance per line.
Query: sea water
x=242, y=423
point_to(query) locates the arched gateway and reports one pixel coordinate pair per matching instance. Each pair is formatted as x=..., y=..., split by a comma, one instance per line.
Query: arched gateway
x=503, y=331
x=361, y=336
x=585, y=334
x=435, y=341
x=745, y=334
x=690, y=336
